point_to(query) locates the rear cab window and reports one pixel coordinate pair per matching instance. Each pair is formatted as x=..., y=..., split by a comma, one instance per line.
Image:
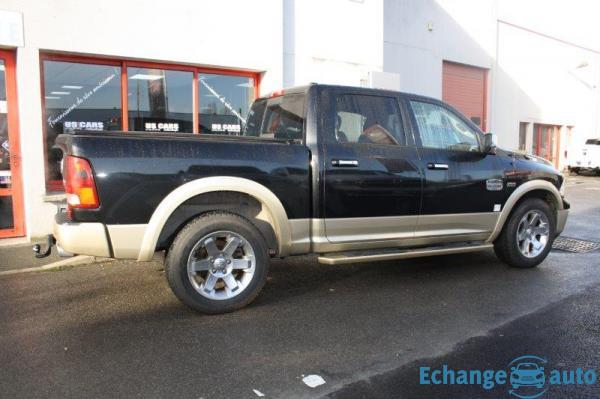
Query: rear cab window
x=280, y=117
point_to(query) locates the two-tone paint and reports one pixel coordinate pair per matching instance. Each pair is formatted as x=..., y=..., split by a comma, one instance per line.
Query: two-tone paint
x=151, y=185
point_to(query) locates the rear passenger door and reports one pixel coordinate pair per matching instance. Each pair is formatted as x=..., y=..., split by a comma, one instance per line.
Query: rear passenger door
x=372, y=181
x=464, y=187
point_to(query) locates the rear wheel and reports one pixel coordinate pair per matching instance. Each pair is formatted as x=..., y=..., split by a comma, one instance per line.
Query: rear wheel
x=218, y=263
x=528, y=235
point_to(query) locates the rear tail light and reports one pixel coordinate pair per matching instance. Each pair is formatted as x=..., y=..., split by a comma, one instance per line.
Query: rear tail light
x=79, y=183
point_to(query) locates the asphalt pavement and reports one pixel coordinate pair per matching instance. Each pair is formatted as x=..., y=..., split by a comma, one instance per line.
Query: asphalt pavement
x=115, y=329
x=565, y=334
x=21, y=257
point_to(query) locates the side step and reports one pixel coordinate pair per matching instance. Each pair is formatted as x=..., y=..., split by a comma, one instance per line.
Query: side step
x=340, y=258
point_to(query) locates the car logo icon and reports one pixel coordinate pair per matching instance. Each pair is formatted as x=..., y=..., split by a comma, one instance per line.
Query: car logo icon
x=527, y=374
x=527, y=377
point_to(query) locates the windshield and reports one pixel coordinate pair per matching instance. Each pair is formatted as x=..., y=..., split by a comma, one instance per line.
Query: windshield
x=278, y=117
x=528, y=366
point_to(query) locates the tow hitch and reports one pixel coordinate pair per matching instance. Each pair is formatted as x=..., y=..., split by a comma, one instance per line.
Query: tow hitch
x=50, y=241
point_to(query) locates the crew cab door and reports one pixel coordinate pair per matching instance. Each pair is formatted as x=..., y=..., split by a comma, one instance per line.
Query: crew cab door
x=372, y=181
x=464, y=188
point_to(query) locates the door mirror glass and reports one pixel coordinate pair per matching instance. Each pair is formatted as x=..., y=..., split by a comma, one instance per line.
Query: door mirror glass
x=489, y=143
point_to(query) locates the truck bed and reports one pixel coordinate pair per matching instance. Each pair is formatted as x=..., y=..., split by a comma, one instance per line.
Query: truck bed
x=134, y=171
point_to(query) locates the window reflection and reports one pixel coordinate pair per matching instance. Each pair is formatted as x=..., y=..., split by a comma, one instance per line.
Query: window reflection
x=5, y=173
x=78, y=96
x=160, y=100
x=224, y=102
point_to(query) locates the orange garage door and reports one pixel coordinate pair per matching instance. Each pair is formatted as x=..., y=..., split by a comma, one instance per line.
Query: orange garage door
x=464, y=87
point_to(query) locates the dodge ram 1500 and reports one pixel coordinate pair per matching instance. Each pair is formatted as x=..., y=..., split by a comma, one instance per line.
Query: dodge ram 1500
x=351, y=174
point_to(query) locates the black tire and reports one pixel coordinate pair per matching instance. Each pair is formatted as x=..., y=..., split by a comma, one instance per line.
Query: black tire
x=506, y=246
x=176, y=263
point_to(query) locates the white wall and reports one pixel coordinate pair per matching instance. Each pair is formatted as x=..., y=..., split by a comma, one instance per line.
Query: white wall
x=420, y=34
x=531, y=78
x=333, y=41
x=538, y=81
x=225, y=33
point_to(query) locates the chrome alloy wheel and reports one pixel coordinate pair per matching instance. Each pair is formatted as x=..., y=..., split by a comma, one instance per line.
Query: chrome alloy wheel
x=533, y=233
x=221, y=265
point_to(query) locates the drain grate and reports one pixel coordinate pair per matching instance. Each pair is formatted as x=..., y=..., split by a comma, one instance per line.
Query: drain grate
x=576, y=245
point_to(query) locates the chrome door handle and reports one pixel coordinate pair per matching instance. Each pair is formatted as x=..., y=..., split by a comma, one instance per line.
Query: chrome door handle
x=344, y=163
x=437, y=166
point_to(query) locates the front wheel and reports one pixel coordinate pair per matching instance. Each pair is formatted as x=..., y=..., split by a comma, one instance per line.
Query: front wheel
x=218, y=263
x=527, y=236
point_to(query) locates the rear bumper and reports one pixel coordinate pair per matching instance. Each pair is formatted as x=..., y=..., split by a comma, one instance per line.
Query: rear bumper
x=81, y=238
x=98, y=239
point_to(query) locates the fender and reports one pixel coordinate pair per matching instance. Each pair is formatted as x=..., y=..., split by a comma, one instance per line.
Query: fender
x=517, y=195
x=270, y=202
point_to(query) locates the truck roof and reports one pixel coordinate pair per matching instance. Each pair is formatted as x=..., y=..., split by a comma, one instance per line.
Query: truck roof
x=304, y=88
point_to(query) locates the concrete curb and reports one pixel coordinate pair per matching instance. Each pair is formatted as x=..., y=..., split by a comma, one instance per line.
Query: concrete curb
x=74, y=261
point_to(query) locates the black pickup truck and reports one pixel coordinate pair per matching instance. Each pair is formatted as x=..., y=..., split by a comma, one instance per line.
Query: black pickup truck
x=351, y=174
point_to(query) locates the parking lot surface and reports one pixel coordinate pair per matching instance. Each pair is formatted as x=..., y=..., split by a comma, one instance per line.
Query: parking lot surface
x=116, y=330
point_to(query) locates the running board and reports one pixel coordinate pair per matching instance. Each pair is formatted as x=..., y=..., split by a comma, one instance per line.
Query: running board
x=340, y=258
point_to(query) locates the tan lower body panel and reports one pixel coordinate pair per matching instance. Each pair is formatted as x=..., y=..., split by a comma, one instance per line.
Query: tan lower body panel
x=126, y=239
x=456, y=223
x=390, y=232
x=300, y=233
x=351, y=233
x=561, y=220
x=370, y=228
x=342, y=258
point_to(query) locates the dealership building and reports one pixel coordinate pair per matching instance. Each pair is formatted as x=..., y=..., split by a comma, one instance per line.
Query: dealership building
x=196, y=66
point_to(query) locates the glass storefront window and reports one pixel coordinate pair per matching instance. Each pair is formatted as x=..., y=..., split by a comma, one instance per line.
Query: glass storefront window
x=5, y=175
x=88, y=94
x=160, y=100
x=224, y=102
x=78, y=96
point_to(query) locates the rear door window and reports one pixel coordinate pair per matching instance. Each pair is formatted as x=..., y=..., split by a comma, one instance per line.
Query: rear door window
x=368, y=119
x=279, y=117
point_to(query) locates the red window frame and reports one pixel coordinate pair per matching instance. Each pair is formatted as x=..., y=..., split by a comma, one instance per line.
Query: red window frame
x=16, y=189
x=552, y=151
x=57, y=186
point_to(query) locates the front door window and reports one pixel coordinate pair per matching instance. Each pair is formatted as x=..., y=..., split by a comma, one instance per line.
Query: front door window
x=439, y=128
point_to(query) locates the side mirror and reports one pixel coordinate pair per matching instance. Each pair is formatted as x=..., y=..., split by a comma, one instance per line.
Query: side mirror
x=489, y=143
